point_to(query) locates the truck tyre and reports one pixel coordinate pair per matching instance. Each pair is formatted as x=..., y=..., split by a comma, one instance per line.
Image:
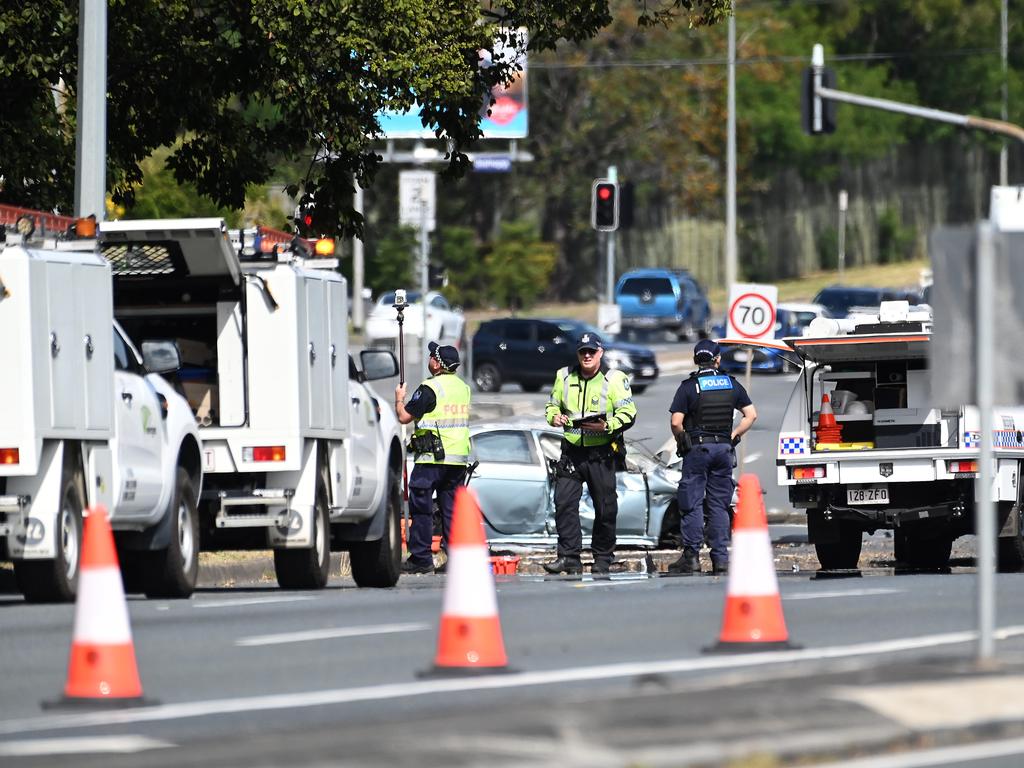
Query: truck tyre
x=309, y=567
x=378, y=563
x=175, y=570
x=923, y=553
x=843, y=553
x=487, y=377
x=56, y=580
x=1010, y=549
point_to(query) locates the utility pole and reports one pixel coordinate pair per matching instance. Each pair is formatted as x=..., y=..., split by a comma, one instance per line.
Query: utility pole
x=1004, y=170
x=358, y=315
x=843, y=199
x=730, y=161
x=91, y=135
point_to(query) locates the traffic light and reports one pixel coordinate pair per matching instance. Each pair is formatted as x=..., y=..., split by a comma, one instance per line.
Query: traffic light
x=817, y=115
x=604, y=205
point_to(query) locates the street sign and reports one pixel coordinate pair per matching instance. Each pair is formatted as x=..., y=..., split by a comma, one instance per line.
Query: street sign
x=751, y=314
x=417, y=199
x=492, y=163
x=609, y=318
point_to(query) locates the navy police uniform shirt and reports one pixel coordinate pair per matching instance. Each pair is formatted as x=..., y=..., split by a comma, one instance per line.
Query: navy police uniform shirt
x=423, y=401
x=687, y=395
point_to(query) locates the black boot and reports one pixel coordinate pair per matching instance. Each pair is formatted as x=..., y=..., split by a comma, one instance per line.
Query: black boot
x=688, y=562
x=719, y=567
x=567, y=564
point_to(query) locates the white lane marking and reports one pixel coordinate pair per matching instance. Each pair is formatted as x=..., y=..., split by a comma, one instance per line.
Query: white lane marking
x=329, y=634
x=124, y=745
x=625, y=579
x=967, y=753
x=407, y=688
x=752, y=458
x=244, y=601
x=838, y=593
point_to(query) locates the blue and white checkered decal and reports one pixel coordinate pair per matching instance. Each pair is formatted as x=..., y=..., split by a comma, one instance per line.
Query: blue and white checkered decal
x=972, y=439
x=710, y=383
x=793, y=446
x=1008, y=438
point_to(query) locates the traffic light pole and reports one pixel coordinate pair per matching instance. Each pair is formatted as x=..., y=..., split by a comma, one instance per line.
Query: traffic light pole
x=984, y=517
x=609, y=279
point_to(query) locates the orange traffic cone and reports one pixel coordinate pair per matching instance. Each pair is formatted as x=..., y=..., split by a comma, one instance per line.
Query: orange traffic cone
x=469, y=639
x=102, y=669
x=828, y=430
x=753, y=619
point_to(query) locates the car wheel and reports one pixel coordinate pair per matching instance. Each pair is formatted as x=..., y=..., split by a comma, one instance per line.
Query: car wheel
x=56, y=580
x=531, y=387
x=842, y=552
x=916, y=552
x=175, y=570
x=308, y=567
x=487, y=377
x=378, y=563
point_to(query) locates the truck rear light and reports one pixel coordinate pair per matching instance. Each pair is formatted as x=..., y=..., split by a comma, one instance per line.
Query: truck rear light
x=808, y=473
x=9, y=456
x=956, y=467
x=263, y=453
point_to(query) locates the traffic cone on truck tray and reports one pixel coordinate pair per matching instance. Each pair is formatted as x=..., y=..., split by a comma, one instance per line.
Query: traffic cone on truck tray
x=752, y=620
x=101, y=668
x=469, y=639
x=828, y=430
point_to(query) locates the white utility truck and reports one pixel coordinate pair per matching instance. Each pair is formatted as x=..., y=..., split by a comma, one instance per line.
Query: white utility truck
x=298, y=453
x=899, y=461
x=85, y=420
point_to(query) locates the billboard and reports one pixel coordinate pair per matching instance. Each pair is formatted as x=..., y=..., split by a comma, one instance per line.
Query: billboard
x=509, y=114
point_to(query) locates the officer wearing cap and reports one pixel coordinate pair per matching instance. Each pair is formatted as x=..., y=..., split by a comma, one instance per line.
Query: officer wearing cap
x=594, y=406
x=702, y=423
x=440, y=447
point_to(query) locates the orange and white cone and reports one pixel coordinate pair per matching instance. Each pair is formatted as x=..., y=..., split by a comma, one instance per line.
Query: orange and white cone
x=752, y=620
x=828, y=431
x=101, y=669
x=469, y=638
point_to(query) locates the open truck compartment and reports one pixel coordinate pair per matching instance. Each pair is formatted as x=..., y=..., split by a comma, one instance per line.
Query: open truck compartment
x=878, y=387
x=262, y=337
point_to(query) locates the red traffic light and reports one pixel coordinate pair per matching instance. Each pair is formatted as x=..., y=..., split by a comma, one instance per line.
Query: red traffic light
x=604, y=192
x=604, y=206
x=307, y=219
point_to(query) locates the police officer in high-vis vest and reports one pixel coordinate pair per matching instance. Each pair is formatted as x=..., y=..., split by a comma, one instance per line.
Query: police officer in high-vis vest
x=702, y=423
x=440, y=447
x=594, y=406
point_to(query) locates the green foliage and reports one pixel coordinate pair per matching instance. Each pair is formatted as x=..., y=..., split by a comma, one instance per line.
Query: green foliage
x=392, y=266
x=160, y=196
x=246, y=84
x=462, y=257
x=895, y=241
x=519, y=266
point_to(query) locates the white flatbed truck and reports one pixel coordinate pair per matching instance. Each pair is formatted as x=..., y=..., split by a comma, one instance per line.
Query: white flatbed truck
x=902, y=462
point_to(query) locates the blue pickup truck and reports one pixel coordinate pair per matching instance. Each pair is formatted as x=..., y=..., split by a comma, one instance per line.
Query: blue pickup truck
x=663, y=300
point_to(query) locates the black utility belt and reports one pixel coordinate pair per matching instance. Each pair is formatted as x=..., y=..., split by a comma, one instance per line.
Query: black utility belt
x=698, y=439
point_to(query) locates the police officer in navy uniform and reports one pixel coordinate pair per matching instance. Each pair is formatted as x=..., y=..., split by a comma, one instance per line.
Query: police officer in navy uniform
x=440, y=447
x=702, y=423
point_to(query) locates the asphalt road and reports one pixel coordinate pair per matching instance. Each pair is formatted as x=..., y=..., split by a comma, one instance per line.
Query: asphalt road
x=607, y=673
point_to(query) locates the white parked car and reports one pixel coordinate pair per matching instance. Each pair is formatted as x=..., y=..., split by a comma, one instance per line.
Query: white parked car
x=445, y=325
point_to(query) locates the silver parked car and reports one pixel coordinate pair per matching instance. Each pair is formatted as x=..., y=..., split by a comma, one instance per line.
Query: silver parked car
x=514, y=483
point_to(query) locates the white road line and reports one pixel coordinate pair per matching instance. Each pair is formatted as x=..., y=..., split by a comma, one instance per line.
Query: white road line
x=639, y=578
x=967, y=753
x=407, y=688
x=244, y=601
x=752, y=458
x=329, y=634
x=837, y=593
x=124, y=745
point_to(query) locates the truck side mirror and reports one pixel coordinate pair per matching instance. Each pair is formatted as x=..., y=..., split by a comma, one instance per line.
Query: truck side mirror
x=378, y=364
x=160, y=356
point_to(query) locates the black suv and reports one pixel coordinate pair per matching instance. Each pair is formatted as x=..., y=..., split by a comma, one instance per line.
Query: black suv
x=528, y=352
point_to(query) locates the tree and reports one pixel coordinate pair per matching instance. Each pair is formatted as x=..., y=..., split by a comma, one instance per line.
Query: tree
x=244, y=84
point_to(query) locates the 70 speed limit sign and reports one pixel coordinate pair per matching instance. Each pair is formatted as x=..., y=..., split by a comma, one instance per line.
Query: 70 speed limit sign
x=751, y=314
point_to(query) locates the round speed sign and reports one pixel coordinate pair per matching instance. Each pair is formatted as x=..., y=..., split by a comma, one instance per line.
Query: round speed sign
x=753, y=316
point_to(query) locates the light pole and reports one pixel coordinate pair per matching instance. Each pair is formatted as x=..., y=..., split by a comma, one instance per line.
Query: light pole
x=843, y=200
x=730, y=161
